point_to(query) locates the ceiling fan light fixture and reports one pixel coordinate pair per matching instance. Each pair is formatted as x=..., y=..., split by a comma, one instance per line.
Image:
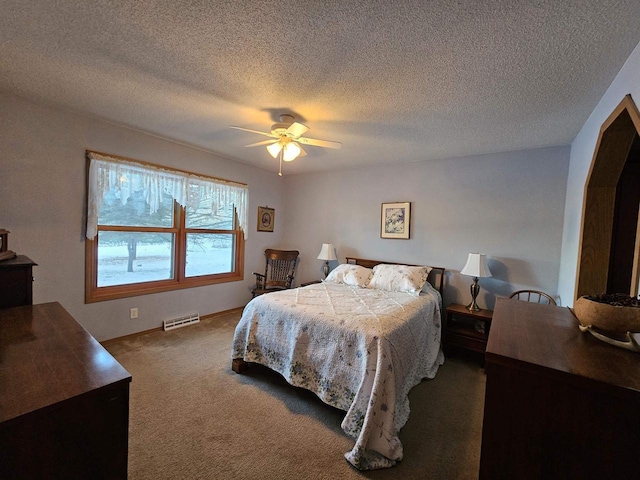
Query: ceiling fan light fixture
x=291, y=152
x=286, y=140
x=274, y=149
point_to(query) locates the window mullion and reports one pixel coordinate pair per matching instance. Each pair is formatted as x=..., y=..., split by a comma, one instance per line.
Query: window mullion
x=181, y=242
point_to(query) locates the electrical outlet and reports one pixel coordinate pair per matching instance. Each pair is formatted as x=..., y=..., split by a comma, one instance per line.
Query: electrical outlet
x=133, y=313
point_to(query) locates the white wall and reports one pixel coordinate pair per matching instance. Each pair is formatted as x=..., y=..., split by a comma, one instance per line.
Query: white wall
x=509, y=206
x=42, y=204
x=582, y=150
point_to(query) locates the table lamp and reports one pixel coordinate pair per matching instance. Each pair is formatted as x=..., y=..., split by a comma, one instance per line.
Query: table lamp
x=327, y=253
x=476, y=267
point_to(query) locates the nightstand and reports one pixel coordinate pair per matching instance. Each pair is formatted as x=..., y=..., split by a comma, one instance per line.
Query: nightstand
x=465, y=329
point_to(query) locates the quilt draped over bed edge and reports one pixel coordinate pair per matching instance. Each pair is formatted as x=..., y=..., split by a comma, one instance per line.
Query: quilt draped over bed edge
x=360, y=350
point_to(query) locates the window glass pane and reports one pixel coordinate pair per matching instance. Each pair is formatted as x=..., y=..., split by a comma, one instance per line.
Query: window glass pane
x=208, y=254
x=136, y=211
x=129, y=257
x=204, y=211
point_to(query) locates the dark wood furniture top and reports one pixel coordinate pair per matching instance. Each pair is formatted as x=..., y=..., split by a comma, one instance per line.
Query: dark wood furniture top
x=436, y=276
x=559, y=403
x=546, y=338
x=463, y=333
x=16, y=281
x=48, y=357
x=64, y=399
x=17, y=262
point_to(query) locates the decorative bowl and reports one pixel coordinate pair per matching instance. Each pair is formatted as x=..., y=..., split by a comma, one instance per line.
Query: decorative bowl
x=603, y=316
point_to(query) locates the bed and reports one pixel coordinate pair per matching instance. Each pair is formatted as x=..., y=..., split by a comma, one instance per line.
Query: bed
x=360, y=344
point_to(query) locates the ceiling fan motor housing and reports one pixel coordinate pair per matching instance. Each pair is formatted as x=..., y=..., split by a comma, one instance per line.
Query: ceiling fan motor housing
x=279, y=128
x=285, y=122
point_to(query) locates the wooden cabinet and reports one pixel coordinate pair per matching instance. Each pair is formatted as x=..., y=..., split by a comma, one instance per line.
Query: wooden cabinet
x=559, y=403
x=16, y=279
x=64, y=400
x=465, y=329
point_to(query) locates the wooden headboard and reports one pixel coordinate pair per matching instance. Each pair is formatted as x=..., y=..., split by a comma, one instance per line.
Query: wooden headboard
x=436, y=277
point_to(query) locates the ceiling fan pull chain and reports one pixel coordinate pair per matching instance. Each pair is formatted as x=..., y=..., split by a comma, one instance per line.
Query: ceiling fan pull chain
x=280, y=168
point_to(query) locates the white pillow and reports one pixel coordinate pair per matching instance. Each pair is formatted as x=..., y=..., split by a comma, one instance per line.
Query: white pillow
x=399, y=278
x=337, y=274
x=358, y=277
x=354, y=275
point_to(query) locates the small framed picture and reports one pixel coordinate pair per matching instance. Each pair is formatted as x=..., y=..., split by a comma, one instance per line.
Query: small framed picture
x=266, y=219
x=396, y=218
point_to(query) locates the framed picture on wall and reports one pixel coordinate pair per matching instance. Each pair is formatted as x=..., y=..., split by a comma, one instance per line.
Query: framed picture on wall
x=266, y=219
x=396, y=218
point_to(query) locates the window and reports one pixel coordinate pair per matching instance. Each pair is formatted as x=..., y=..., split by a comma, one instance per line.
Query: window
x=153, y=229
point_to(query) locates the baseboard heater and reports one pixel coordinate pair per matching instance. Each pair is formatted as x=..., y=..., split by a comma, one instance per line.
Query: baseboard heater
x=181, y=322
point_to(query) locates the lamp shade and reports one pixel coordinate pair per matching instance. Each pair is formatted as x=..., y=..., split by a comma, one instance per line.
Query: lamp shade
x=290, y=152
x=327, y=252
x=476, y=266
x=274, y=149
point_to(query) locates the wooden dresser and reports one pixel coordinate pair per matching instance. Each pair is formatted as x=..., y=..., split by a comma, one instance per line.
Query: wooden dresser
x=64, y=400
x=16, y=280
x=559, y=403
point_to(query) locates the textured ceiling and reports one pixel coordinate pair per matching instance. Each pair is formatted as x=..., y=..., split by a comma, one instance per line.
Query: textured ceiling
x=393, y=81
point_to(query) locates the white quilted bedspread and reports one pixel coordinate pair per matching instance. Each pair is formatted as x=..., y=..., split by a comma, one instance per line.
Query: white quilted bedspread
x=360, y=350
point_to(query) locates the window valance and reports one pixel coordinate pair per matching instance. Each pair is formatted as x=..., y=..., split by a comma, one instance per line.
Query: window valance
x=107, y=173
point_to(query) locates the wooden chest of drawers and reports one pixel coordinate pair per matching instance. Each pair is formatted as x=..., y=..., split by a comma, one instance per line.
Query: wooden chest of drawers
x=16, y=279
x=64, y=400
x=559, y=403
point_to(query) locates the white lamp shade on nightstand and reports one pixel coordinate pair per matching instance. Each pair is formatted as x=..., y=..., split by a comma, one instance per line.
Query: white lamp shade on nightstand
x=327, y=252
x=476, y=266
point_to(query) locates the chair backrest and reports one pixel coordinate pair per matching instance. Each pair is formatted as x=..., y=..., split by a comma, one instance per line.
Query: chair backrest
x=533, y=296
x=280, y=268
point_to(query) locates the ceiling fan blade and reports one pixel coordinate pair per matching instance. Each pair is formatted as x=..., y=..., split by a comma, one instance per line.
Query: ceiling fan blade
x=256, y=131
x=296, y=129
x=302, y=152
x=318, y=143
x=264, y=142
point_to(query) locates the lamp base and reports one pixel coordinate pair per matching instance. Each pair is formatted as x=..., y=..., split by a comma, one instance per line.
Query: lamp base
x=325, y=268
x=473, y=307
x=475, y=289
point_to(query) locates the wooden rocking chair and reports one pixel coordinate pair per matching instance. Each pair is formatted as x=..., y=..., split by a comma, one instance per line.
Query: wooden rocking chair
x=279, y=271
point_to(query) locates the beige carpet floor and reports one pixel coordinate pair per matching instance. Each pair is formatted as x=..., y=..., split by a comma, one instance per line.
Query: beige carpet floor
x=191, y=417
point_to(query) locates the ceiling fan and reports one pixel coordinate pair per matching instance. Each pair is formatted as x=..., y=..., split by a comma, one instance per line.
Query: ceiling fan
x=285, y=139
